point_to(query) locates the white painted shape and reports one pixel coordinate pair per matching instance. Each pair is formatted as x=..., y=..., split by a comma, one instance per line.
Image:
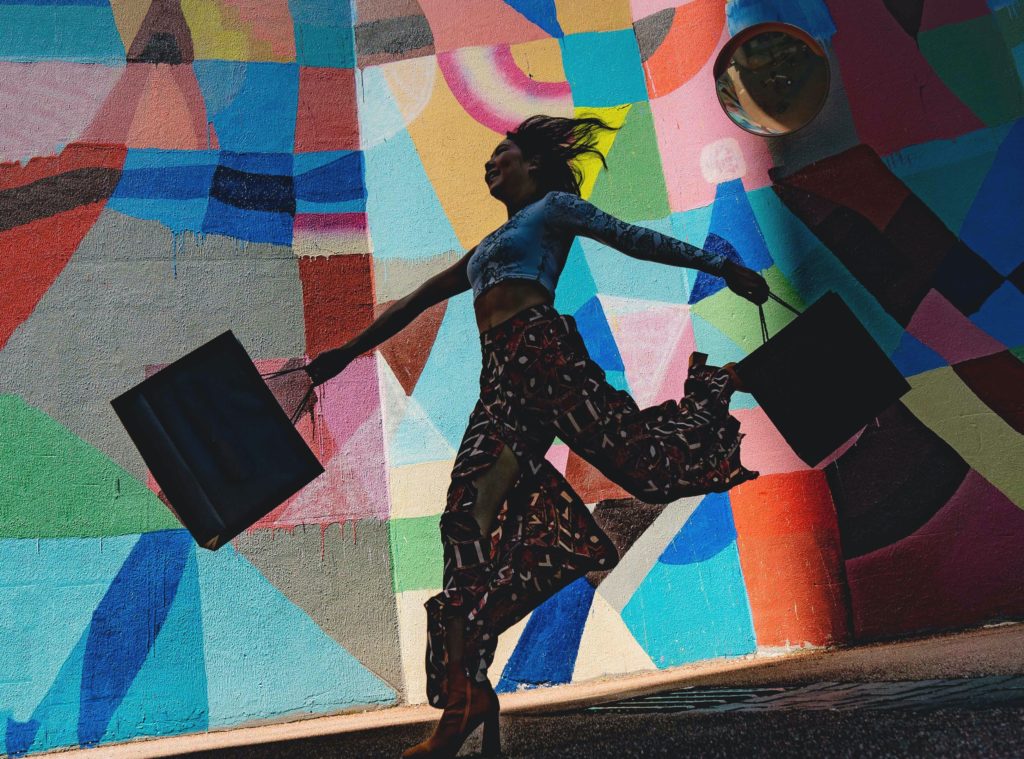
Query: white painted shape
x=607, y=647
x=412, y=627
x=722, y=161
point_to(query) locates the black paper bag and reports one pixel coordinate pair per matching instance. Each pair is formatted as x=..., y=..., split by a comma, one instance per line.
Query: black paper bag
x=821, y=378
x=216, y=440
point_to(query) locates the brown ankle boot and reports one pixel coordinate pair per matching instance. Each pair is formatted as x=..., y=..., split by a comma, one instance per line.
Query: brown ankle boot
x=470, y=704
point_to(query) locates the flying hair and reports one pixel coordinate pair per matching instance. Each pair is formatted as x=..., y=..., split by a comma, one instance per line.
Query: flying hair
x=558, y=142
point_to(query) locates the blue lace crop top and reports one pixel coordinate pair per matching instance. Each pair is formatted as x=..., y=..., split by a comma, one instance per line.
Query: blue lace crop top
x=535, y=242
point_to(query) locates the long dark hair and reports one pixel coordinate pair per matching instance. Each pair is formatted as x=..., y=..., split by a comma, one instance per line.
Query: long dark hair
x=557, y=142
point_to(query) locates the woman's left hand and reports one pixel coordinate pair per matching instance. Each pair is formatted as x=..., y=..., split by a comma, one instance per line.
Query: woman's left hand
x=746, y=282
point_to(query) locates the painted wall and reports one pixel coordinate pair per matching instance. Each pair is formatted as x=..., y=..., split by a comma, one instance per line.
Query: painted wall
x=175, y=168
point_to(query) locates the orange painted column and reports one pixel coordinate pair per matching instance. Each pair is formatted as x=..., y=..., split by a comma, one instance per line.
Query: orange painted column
x=791, y=558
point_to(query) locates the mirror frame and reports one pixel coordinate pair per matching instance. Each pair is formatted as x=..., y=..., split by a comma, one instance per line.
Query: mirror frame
x=726, y=53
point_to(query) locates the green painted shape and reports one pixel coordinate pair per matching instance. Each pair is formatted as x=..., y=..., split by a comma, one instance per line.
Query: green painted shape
x=633, y=188
x=55, y=485
x=1018, y=352
x=737, y=318
x=1011, y=25
x=416, y=559
x=972, y=59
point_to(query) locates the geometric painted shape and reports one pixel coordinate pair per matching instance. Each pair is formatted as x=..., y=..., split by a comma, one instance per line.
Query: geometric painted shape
x=258, y=645
x=546, y=651
x=127, y=623
x=603, y=633
x=478, y=23
x=240, y=31
x=326, y=115
x=988, y=228
x=496, y=92
x=337, y=298
x=241, y=95
x=998, y=380
x=966, y=279
x=593, y=327
x=705, y=534
x=340, y=575
x=323, y=33
x=882, y=65
x=891, y=481
x=633, y=187
x=1002, y=315
x=944, y=329
x=990, y=446
x=168, y=693
x=913, y=357
x=810, y=15
x=686, y=612
x=388, y=32
x=52, y=484
x=962, y=568
x=540, y=12
x=791, y=558
x=623, y=520
x=330, y=182
x=677, y=42
x=171, y=187
x=976, y=65
x=407, y=352
x=415, y=553
x=604, y=68
x=37, y=32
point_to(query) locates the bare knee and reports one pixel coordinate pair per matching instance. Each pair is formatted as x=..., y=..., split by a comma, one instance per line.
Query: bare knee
x=492, y=489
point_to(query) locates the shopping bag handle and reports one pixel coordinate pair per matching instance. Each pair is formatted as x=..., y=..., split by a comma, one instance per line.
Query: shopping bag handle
x=760, y=311
x=309, y=393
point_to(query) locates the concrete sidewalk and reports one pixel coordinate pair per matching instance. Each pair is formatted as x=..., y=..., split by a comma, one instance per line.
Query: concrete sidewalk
x=989, y=651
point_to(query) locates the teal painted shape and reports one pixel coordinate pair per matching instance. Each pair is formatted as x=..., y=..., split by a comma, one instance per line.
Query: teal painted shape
x=721, y=350
x=265, y=657
x=620, y=275
x=947, y=174
x=576, y=286
x=685, y=612
x=617, y=379
x=603, y=68
x=450, y=382
x=49, y=615
x=324, y=34
x=405, y=194
x=417, y=440
x=168, y=695
x=813, y=270
x=78, y=33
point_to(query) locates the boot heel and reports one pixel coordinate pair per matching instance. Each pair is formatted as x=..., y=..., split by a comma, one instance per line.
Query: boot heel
x=492, y=736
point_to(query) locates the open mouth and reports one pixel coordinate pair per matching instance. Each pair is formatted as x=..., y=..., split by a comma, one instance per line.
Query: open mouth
x=490, y=175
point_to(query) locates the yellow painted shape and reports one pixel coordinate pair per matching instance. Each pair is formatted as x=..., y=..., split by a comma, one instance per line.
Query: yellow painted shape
x=218, y=32
x=591, y=166
x=946, y=405
x=453, y=147
x=411, y=83
x=419, y=490
x=576, y=16
x=128, y=18
x=412, y=636
x=540, y=60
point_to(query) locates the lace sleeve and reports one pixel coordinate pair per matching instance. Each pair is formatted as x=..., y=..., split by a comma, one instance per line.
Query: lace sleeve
x=583, y=218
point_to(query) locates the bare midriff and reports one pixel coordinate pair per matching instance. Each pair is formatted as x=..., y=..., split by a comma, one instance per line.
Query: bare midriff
x=506, y=299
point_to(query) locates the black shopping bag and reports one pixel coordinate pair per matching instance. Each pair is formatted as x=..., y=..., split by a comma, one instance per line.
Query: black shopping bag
x=821, y=378
x=216, y=440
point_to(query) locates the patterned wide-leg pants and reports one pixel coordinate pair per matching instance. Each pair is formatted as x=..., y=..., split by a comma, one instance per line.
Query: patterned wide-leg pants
x=538, y=382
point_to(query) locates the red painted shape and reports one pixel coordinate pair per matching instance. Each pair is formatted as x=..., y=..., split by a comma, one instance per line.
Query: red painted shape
x=326, y=118
x=963, y=567
x=998, y=380
x=695, y=31
x=895, y=96
x=938, y=13
x=33, y=254
x=857, y=179
x=408, y=351
x=591, y=485
x=337, y=299
x=788, y=541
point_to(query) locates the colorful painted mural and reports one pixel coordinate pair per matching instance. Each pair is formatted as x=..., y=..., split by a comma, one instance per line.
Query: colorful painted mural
x=170, y=169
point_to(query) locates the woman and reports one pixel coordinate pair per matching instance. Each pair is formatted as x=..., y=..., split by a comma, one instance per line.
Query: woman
x=513, y=530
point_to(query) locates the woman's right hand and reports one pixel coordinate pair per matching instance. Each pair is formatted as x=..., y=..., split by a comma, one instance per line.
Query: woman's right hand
x=746, y=282
x=329, y=364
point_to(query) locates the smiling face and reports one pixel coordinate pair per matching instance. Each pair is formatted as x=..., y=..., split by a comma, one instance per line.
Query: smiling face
x=507, y=173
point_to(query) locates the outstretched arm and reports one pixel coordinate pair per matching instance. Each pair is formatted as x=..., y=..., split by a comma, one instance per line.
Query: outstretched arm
x=584, y=218
x=396, y=317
